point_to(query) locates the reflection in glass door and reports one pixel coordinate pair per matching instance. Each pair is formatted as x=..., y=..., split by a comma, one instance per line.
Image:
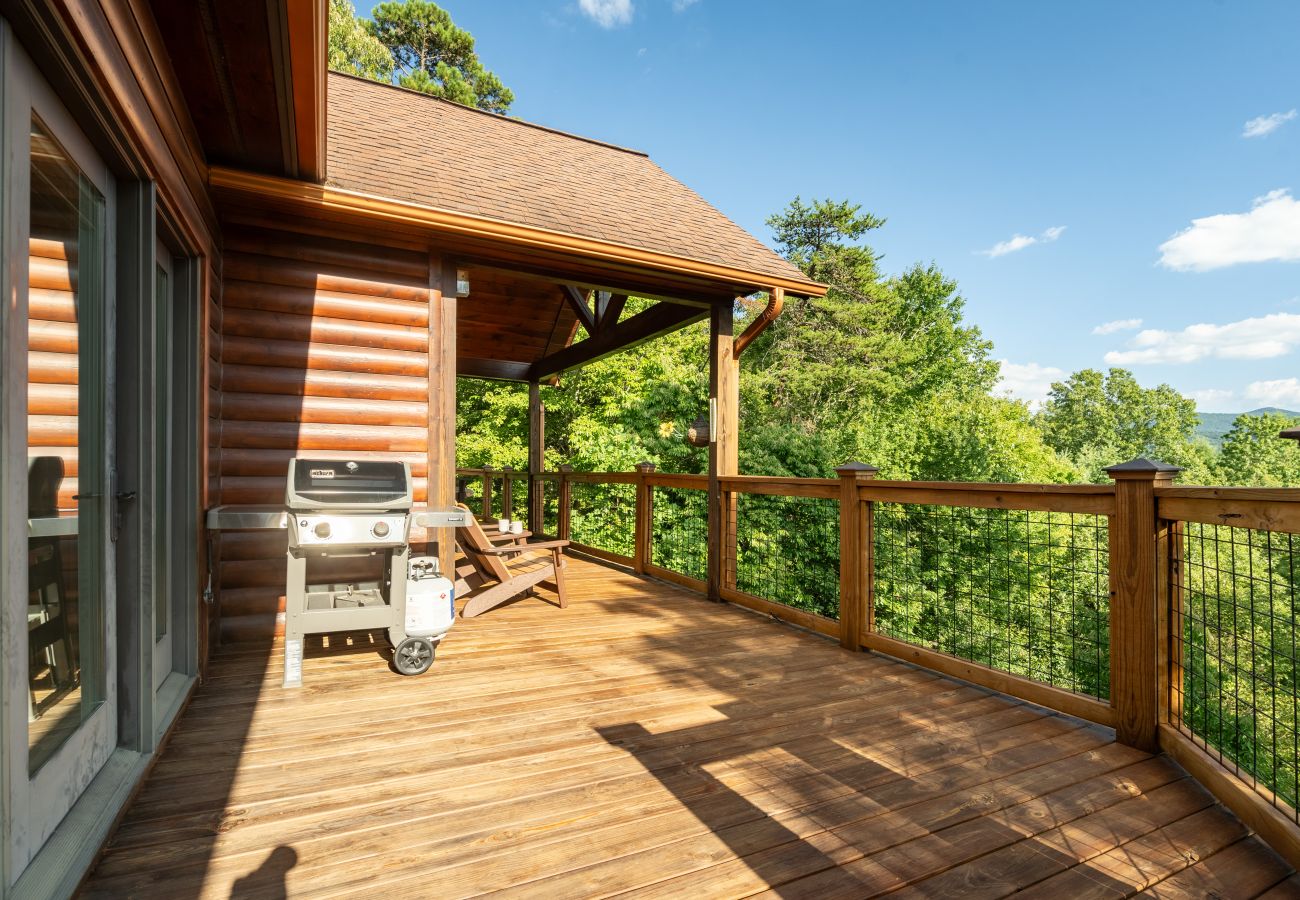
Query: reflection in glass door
x=68, y=493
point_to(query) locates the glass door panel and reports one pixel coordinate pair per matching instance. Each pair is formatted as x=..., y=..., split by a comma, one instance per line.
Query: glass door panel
x=68, y=501
x=164, y=494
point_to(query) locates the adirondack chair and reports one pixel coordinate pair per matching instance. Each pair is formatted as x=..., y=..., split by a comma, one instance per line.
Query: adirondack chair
x=498, y=572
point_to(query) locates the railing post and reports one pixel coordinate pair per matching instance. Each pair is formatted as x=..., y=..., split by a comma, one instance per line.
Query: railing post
x=507, y=493
x=644, y=518
x=566, y=502
x=487, y=493
x=856, y=606
x=1135, y=602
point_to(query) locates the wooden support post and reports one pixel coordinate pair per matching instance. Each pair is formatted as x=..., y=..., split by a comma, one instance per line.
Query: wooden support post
x=724, y=449
x=442, y=400
x=857, y=613
x=566, y=502
x=1134, y=638
x=644, y=518
x=536, y=457
x=1170, y=547
x=487, y=493
x=507, y=493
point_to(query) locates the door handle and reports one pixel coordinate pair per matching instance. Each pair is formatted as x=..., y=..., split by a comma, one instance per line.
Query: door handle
x=120, y=498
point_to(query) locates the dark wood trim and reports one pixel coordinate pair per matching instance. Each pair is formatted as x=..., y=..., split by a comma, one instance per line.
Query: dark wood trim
x=495, y=369
x=577, y=300
x=659, y=319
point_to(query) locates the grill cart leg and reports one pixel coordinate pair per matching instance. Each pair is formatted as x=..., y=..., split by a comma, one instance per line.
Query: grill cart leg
x=295, y=602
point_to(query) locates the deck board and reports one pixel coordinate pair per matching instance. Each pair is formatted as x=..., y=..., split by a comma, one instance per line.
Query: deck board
x=644, y=741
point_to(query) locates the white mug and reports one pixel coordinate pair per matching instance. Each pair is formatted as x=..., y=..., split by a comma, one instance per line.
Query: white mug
x=516, y=527
x=503, y=525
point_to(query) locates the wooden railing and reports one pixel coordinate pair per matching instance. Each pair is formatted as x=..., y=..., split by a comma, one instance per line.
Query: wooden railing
x=1168, y=613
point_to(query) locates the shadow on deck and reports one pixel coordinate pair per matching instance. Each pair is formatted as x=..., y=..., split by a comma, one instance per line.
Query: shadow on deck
x=644, y=740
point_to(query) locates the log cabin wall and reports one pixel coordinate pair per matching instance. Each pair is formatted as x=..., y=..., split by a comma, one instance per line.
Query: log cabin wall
x=323, y=351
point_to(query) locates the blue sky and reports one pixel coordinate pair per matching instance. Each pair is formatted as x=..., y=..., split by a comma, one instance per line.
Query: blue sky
x=1150, y=151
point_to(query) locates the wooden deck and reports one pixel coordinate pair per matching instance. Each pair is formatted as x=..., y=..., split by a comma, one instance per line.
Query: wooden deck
x=646, y=741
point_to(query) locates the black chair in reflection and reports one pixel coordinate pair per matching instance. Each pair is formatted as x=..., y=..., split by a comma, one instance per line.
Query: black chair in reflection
x=48, y=638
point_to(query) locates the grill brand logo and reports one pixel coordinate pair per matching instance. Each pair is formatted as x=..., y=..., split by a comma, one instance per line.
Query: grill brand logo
x=322, y=473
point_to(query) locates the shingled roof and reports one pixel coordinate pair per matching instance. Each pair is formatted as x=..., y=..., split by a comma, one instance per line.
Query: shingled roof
x=402, y=145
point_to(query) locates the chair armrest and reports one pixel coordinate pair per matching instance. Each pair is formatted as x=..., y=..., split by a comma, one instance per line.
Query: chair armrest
x=520, y=548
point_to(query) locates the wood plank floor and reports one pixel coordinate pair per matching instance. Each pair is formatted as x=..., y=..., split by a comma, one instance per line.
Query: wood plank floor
x=646, y=742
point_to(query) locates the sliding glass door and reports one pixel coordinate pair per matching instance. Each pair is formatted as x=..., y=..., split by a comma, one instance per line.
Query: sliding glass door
x=59, y=500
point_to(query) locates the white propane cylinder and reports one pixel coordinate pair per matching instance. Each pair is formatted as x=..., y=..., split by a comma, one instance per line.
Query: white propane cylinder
x=430, y=599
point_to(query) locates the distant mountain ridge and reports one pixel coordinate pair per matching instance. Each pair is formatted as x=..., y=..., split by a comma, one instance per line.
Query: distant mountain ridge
x=1215, y=426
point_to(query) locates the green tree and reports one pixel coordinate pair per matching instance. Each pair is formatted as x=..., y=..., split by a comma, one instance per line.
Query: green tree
x=1098, y=420
x=1254, y=455
x=432, y=55
x=352, y=48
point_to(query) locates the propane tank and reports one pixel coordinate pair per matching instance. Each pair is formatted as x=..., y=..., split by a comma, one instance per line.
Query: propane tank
x=430, y=599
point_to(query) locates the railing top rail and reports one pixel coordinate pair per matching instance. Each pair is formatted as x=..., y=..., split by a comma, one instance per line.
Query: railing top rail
x=603, y=477
x=677, y=480
x=1195, y=492
x=1086, y=499
x=1239, y=510
x=788, y=487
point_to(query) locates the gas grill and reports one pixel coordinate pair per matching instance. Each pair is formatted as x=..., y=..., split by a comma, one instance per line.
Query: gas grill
x=341, y=509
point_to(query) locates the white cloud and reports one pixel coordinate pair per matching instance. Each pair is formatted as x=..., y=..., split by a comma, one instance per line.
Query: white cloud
x=1269, y=232
x=1117, y=325
x=607, y=13
x=1029, y=382
x=1020, y=241
x=1214, y=400
x=680, y=5
x=1262, y=337
x=1265, y=125
x=1284, y=392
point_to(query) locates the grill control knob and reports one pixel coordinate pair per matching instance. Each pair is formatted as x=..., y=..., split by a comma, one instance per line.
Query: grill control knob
x=380, y=530
x=322, y=530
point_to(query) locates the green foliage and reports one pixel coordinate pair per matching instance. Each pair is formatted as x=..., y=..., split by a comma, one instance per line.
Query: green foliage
x=1099, y=420
x=1254, y=455
x=352, y=48
x=432, y=55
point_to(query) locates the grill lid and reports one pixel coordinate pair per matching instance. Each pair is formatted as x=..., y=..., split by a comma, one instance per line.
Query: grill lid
x=338, y=484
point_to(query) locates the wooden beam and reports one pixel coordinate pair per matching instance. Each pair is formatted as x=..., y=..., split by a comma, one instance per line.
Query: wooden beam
x=577, y=299
x=611, y=310
x=659, y=319
x=442, y=400
x=724, y=399
x=536, y=455
x=494, y=369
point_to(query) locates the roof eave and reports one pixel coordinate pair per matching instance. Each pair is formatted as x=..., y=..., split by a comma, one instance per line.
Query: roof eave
x=342, y=200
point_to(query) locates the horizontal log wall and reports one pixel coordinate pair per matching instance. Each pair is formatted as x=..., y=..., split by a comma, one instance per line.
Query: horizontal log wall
x=51, y=379
x=324, y=352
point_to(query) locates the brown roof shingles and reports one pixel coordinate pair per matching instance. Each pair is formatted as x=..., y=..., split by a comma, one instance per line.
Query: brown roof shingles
x=397, y=144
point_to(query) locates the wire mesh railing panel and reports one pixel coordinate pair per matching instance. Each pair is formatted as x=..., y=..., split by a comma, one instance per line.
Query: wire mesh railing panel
x=680, y=530
x=788, y=551
x=603, y=516
x=550, y=489
x=1240, y=592
x=469, y=491
x=1023, y=591
x=518, y=511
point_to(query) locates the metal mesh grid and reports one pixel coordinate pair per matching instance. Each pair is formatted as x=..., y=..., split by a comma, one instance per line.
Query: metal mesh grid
x=603, y=516
x=469, y=490
x=519, y=498
x=1240, y=589
x=1023, y=591
x=788, y=551
x=680, y=536
x=550, y=489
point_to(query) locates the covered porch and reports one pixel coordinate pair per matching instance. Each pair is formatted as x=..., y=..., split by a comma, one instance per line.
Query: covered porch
x=645, y=740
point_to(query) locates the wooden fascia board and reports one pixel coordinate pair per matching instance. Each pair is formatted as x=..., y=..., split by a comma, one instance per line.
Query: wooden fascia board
x=272, y=190
x=495, y=369
x=307, y=23
x=653, y=322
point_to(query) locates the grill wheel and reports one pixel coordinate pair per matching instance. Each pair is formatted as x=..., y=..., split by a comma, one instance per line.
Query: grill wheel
x=413, y=656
